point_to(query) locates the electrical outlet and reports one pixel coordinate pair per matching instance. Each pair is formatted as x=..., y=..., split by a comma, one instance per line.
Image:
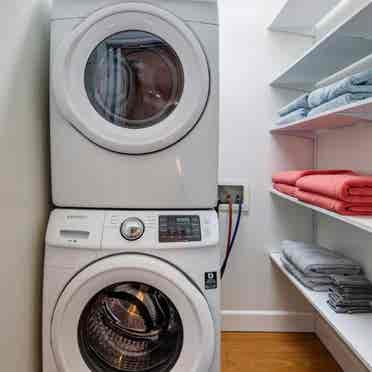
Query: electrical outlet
x=236, y=193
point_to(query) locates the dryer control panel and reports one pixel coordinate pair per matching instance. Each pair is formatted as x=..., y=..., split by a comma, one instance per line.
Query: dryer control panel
x=177, y=228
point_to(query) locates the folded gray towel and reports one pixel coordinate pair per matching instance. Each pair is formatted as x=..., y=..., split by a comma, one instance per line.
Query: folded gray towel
x=352, y=281
x=298, y=103
x=349, y=309
x=317, y=283
x=312, y=259
x=342, y=301
x=351, y=290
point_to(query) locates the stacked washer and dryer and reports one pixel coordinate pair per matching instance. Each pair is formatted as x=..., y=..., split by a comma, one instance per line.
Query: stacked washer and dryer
x=131, y=279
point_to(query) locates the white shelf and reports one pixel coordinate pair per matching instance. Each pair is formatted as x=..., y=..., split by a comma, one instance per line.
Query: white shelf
x=343, y=46
x=363, y=223
x=300, y=17
x=341, y=117
x=355, y=330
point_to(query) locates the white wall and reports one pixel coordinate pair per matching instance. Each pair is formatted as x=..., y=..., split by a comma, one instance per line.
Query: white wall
x=255, y=295
x=24, y=179
x=347, y=148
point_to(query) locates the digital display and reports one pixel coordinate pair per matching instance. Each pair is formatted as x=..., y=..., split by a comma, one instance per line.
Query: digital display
x=179, y=229
x=183, y=220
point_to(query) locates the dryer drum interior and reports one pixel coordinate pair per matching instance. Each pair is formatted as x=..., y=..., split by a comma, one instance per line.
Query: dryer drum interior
x=134, y=79
x=130, y=327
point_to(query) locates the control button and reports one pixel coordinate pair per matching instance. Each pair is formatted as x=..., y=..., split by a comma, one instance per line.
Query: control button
x=115, y=220
x=132, y=229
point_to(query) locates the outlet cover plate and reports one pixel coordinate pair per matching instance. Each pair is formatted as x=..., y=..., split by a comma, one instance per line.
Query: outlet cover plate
x=236, y=192
x=226, y=183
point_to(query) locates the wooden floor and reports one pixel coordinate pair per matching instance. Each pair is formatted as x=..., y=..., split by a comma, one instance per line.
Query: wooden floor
x=279, y=352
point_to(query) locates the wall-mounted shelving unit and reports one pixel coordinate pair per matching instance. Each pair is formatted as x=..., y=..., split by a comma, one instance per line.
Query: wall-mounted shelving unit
x=341, y=117
x=344, y=50
x=343, y=46
x=363, y=223
x=354, y=330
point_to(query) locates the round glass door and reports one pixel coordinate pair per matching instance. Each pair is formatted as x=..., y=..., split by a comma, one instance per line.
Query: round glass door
x=130, y=327
x=134, y=79
x=132, y=313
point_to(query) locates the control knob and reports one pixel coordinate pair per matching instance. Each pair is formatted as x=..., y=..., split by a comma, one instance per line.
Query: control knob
x=132, y=229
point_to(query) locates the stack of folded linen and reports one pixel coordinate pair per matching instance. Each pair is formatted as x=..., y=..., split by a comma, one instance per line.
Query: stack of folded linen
x=350, y=294
x=337, y=190
x=296, y=110
x=351, y=89
x=313, y=265
x=348, y=194
x=286, y=181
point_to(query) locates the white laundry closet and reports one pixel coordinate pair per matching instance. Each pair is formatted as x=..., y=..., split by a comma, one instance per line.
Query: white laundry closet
x=270, y=53
x=277, y=54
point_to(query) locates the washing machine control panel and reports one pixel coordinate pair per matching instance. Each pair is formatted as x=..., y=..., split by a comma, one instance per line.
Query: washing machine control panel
x=179, y=228
x=132, y=230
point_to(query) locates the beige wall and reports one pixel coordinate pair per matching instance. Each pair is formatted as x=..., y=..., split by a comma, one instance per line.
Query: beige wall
x=24, y=189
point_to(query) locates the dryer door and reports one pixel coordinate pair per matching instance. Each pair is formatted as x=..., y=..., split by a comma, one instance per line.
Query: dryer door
x=132, y=313
x=133, y=78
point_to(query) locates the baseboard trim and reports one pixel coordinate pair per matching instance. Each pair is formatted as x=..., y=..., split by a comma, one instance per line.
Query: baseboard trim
x=267, y=321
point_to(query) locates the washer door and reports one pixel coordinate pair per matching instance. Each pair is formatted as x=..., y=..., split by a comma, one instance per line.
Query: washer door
x=133, y=78
x=132, y=313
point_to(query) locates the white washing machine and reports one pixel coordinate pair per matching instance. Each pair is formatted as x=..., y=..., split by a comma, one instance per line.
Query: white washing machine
x=134, y=104
x=131, y=292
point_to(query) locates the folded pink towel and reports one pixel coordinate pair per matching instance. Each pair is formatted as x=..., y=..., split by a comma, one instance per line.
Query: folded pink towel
x=338, y=206
x=351, y=188
x=291, y=177
x=285, y=189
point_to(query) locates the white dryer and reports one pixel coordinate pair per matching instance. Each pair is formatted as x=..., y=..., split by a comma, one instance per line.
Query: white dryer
x=134, y=104
x=131, y=292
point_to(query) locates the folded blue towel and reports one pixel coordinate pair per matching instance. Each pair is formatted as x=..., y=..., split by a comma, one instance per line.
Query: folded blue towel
x=339, y=102
x=293, y=116
x=358, y=83
x=298, y=103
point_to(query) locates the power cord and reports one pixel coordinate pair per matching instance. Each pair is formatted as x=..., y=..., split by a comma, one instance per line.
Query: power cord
x=231, y=241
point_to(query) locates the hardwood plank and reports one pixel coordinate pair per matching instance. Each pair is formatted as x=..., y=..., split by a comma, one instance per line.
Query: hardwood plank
x=275, y=352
